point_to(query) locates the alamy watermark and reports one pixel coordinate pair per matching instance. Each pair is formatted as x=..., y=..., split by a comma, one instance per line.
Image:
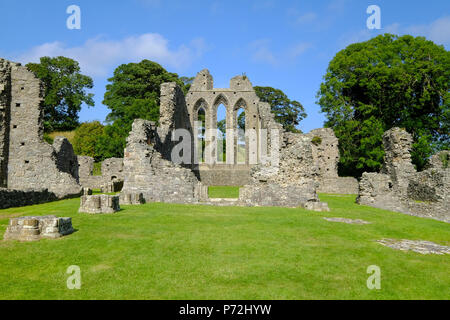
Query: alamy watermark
x=234, y=146
x=74, y=280
x=74, y=20
x=374, y=280
x=374, y=20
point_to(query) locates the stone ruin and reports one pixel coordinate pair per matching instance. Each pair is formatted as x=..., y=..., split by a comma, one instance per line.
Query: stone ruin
x=97, y=204
x=36, y=228
x=325, y=147
x=284, y=172
x=399, y=187
x=111, y=179
x=28, y=164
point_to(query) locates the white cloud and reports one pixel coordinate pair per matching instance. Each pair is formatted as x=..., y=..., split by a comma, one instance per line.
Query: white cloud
x=98, y=57
x=261, y=52
x=437, y=31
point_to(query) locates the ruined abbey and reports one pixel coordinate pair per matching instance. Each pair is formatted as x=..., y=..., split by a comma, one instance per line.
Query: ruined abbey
x=176, y=159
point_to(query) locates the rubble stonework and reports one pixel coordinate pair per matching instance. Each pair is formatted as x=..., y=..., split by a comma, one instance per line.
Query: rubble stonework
x=400, y=188
x=112, y=169
x=17, y=198
x=147, y=172
x=36, y=228
x=325, y=147
x=31, y=163
x=101, y=203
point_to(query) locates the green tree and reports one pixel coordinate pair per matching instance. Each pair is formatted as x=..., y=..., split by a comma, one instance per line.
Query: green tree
x=64, y=91
x=86, y=138
x=287, y=112
x=134, y=91
x=387, y=81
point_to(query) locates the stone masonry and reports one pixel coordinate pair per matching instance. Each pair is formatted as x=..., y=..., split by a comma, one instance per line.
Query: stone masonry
x=112, y=169
x=26, y=161
x=36, y=228
x=101, y=203
x=399, y=187
x=326, y=156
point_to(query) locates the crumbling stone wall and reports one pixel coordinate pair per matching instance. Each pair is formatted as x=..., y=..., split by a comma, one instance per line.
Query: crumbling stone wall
x=33, y=163
x=5, y=104
x=291, y=183
x=26, y=161
x=325, y=147
x=400, y=188
x=147, y=172
x=112, y=169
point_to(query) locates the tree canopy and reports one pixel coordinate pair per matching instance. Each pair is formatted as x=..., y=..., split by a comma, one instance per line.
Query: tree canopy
x=86, y=139
x=65, y=91
x=287, y=112
x=133, y=93
x=384, y=82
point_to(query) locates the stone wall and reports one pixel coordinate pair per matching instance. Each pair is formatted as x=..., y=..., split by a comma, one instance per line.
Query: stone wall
x=147, y=172
x=325, y=147
x=31, y=163
x=5, y=104
x=17, y=198
x=291, y=183
x=112, y=169
x=400, y=188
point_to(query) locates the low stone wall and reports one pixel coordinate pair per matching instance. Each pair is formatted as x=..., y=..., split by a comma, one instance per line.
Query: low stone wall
x=276, y=195
x=18, y=198
x=36, y=228
x=341, y=185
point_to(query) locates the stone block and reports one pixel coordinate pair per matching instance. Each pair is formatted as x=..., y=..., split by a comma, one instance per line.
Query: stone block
x=99, y=204
x=38, y=227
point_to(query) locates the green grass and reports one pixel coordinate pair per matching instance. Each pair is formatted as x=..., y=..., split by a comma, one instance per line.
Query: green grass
x=223, y=192
x=168, y=251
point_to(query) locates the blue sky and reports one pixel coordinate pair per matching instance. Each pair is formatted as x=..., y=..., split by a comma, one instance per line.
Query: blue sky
x=283, y=44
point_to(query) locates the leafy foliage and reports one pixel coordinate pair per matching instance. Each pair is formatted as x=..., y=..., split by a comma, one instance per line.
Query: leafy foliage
x=387, y=81
x=86, y=139
x=64, y=91
x=287, y=112
x=133, y=92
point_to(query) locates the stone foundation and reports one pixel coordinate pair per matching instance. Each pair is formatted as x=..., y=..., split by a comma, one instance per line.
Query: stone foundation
x=99, y=204
x=36, y=228
x=131, y=198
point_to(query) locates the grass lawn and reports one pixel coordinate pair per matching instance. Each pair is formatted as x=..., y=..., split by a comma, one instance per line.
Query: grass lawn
x=168, y=251
x=223, y=192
